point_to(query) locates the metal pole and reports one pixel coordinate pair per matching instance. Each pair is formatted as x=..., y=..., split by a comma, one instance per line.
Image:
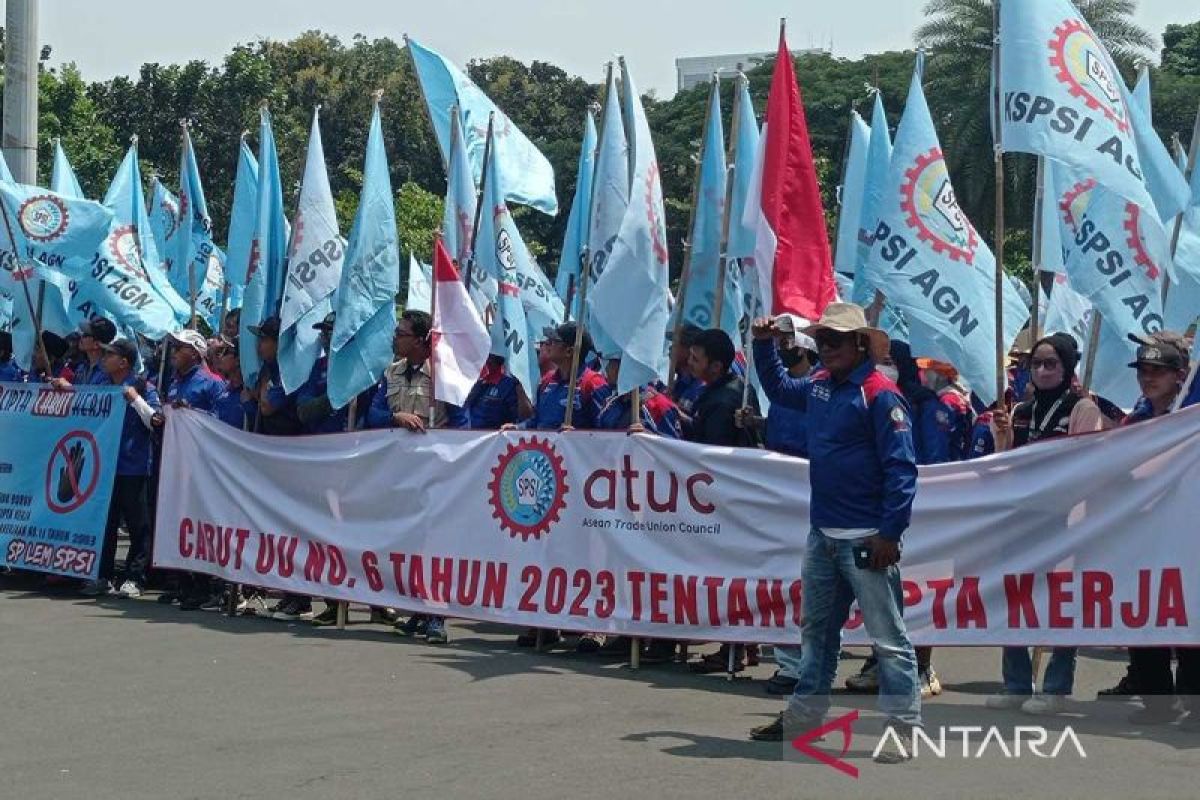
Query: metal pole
x=1093, y=346
x=21, y=53
x=1039, y=205
x=487, y=157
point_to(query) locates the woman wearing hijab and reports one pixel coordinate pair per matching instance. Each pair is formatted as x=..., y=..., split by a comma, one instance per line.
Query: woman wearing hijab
x=1055, y=410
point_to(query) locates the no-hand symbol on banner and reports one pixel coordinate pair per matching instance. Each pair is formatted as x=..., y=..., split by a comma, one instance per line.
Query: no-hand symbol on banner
x=72, y=472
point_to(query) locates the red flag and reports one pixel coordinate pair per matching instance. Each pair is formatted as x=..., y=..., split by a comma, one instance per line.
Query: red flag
x=802, y=272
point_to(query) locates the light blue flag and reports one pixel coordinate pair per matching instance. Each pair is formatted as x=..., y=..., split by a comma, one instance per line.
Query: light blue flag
x=1164, y=181
x=314, y=269
x=243, y=216
x=523, y=169
x=631, y=299
x=742, y=236
x=6, y=175
x=566, y=281
x=187, y=262
x=699, y=306
x=1183, y=298
x=1116, y=253
x=875, y=179
x=128, y=282
x=366, y=303
x=50, y=233
x=937, y=271
x=1141, y=92
x=502, y=253
x=264, y=279
x=62, y=174
x=458, y=219
x=1181, y=156
x=1048, y=248
x=1061, y=96
x=610, y=196
x=420, y=286
x=850, y=196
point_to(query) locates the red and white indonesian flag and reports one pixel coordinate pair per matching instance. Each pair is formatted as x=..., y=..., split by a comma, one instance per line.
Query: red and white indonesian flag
x=460, y=339
x=791, y=252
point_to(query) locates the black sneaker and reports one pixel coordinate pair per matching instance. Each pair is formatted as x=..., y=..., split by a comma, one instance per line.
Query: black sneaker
x=780, y=684
x=1158, y=713
x=787, y=725
x=529, y=638
x=327, y=617
x=417, y=625
x=191, y=603
x=659, y=651
x=214, y=603
x=168, y=598
x=1123, y=691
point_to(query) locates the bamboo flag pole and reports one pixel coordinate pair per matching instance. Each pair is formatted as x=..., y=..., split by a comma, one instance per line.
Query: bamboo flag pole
x=727, y=211
x=1188, y=172
x=37, y=322
x=585, y=270
x=1093, y=346
x=686, y=272
x=998, y=244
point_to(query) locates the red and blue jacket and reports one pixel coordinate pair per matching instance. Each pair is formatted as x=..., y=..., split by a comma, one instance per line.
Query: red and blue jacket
x=859, y=442
x=943, y=428
x=492, y=401
x=550, y=410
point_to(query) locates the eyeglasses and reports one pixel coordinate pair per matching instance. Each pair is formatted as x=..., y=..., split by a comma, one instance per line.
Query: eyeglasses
x=833, y=339
x=1045, y=363
x=405, y=335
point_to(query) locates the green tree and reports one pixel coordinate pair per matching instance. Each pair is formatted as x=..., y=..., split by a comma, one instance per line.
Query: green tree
x=66, y=112
x=1181, y=49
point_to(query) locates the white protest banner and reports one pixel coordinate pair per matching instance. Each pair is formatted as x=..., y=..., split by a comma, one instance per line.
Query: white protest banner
x=1082, y=541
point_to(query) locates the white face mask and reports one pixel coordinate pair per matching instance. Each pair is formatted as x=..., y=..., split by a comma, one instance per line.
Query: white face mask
x=889, y=371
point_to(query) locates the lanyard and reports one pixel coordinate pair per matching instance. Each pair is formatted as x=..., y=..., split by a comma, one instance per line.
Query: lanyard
x=1035, y=430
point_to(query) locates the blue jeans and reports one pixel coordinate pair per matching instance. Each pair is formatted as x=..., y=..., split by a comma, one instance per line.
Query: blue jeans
x=787, y=658
x=1017, y=667
x=831, y=583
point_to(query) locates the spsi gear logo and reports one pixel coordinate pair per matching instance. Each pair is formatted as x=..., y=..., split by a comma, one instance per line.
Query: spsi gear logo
x=1075, y=202
x=43, y=218
x=123, y=248
x=1081, y=64
x=1135, y=237
x=932, y=210
x=528, y=488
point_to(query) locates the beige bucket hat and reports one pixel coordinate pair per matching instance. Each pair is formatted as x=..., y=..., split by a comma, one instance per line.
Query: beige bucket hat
x=849, y=318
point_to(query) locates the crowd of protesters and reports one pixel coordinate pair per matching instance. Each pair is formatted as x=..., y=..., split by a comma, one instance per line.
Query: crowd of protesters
x=865, y=411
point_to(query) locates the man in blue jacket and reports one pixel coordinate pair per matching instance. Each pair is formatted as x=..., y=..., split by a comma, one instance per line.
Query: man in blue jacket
x=496, y=399
x=863, y=479
x=10, y=370
x=130, y=503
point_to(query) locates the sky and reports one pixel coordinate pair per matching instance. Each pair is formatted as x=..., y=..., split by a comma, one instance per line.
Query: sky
x=115, y=37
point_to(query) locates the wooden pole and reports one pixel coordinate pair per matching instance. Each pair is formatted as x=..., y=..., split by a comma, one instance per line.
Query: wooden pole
x=1191, y=379
x=1191, y=168
x=585, y=269
x=727, y=211
x=686, y=273
x=1093, y=346
x=998, y=244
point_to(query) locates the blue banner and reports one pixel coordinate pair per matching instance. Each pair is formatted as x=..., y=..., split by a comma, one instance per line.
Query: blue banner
x=58, y=458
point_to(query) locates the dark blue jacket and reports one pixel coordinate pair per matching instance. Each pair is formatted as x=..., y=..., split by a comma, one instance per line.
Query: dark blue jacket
x=982, y=442
x=87, y=375
x=11, y=371
x=1193, y=395
x=786, y=430
x=199, y=388
x=943, y=429
x=134, y=455
x=232, y=410
x=493, y=401
x=659, y=415
x=314, y=389
x=550, y=410
x=863, y=463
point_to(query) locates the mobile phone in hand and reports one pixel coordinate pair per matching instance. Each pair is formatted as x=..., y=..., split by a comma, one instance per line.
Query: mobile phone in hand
x=862, y=556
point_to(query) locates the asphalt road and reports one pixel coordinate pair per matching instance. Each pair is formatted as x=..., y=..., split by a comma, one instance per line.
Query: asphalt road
x=131, y=699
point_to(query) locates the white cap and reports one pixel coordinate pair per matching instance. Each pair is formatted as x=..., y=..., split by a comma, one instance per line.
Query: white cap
x=193, y=339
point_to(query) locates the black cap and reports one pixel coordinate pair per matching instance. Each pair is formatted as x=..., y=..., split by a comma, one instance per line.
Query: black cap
x=269, y=328
x=327, y=323
x=565, y=333
x=101, y=329
x=124, y=348
x=1160, y=354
